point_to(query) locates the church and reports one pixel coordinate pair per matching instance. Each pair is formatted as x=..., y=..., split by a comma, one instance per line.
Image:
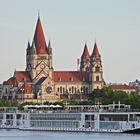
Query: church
x=40, y=82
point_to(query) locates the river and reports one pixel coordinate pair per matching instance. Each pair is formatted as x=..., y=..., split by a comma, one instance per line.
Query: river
x=14, y=134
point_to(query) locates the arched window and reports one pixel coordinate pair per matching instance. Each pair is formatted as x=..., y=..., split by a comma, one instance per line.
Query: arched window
x=60, y=89
x=72, y=89
x=81, y=89
x=86, y=90
x=97, y=69
x=63, y=90
x=75, y=90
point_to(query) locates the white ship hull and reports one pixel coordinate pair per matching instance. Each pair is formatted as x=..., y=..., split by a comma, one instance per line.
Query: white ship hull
x=62, y=120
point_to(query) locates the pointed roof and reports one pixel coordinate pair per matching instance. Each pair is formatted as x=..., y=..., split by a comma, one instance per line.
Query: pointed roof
x=11, y=81
x=28, y=45
x=39, y=38
x=95, y=52
x=25, y=88
x=49, y=44
x=121, y=87
x=22, y=76
x=85, y=52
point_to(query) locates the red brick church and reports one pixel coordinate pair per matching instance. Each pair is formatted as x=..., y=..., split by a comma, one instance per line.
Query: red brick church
x=40, y=82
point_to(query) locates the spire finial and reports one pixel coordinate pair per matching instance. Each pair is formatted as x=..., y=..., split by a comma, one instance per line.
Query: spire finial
x=28, y=44
x=85, y=42
x=49, y=44
x=95, y=50
x=14, y=73
x=38, y=14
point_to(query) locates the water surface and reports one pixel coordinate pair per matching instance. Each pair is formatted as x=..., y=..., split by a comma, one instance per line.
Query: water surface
x=14, y=134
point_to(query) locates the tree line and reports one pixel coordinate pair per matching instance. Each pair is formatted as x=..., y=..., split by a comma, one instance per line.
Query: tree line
x=104, y=96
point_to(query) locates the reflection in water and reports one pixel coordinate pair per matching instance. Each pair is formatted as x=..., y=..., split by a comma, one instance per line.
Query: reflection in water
x=14, y=134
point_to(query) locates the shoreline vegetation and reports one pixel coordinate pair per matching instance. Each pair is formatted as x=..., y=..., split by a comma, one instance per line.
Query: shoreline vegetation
x=103, y=96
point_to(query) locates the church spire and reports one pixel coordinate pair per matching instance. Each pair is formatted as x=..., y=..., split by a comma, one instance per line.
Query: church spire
x=49, y=48
x=95, y=52
x=49, y=44
x=85, y=52
x=28, y=45
x=85, y=60
x=39, y=38
x=38, y=14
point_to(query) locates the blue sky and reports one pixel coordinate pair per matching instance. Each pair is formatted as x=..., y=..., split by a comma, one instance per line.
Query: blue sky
x=115, y=24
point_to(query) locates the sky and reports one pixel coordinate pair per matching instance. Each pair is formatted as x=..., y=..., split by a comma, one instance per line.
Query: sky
x=114, y=24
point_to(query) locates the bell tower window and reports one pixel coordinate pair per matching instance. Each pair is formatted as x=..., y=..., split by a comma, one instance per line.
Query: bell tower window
x=97, y=78
x=87, y=69
x=97, y=69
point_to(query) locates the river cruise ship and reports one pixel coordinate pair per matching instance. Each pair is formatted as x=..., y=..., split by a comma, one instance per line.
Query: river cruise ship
x=75, y=118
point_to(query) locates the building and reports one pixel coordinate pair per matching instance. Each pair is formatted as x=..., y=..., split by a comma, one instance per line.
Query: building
x=40, y=82
x=136, y=85
x=123, y=87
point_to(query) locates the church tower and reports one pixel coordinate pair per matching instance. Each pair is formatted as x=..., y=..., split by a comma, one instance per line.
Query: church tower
x=39, y=56
x=96, y=69
x=85, y=60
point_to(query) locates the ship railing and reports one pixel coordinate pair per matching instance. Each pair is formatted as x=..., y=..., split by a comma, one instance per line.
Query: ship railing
x=69, y=111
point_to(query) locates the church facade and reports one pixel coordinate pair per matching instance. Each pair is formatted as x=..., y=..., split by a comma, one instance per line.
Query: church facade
x=41, y=83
